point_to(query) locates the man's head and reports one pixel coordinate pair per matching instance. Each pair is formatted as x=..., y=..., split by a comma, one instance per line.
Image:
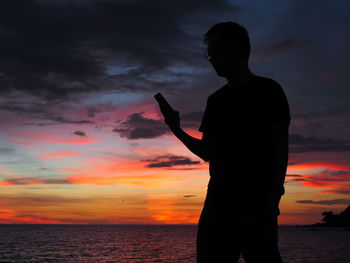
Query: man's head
x=228, y=47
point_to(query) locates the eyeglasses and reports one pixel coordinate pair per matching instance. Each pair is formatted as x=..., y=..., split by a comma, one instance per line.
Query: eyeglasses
x=207, y=56
x=214, y=53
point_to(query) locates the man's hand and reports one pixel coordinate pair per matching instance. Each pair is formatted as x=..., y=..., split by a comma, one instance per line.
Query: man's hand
x=172, y=119
x=272, y=202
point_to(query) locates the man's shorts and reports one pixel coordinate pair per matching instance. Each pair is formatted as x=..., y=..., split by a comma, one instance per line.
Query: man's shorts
x=227, y=230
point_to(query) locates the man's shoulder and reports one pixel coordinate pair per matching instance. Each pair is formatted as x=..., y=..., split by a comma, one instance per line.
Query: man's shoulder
x=218, y=93
x=260, y=84
x=267, y=81
x=265, y=86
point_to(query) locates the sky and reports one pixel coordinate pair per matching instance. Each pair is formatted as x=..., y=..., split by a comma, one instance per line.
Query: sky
x=82, y=139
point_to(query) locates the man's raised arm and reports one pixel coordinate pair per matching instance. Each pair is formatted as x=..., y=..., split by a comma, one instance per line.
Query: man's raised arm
x=172, y=119
x=196, y=146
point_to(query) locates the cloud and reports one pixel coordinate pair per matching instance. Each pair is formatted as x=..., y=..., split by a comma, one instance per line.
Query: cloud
x=5, y=150
x=335, y=181
x=33, y=181
x=279, y=46
x=139, y=127
x=22, y=107
x=294, y=175
x=42, y=199
x=151, y=181
x=62, y=119
x=169, y=161
x=191, y=119
x=58, y=50
x=59, y=209
x=30, y=138
x=175, y=210
x=58, y=155
x=10, y=216
x=325, y=202
x=79, y=133
x=300, y=144
x=40, y=110
x=92, y=110
x=328, y=113
x=341, y=191
x=195, y=116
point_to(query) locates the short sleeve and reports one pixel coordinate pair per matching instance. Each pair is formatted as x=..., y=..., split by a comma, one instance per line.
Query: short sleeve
x=277, y=105
x=205, y=119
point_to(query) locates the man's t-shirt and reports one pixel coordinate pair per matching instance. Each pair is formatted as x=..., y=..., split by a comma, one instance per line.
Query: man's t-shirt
x=237, y=121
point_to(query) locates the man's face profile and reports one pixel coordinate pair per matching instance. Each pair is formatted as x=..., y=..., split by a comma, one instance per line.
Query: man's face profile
x=226, y=58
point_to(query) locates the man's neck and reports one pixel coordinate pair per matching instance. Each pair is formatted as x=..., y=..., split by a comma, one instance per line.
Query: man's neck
x=240, y=78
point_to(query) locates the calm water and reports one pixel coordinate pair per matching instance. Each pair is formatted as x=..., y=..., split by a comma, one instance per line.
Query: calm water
x=129, y=244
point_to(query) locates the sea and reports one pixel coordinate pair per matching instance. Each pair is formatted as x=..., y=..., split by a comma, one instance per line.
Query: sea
x=152, y=243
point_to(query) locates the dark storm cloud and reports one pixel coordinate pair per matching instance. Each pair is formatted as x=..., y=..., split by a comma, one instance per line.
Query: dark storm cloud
x=300, y=143
x=169, y=161
x=21, y=107
x=56, y=50
x=139, y=127
x=325, y=202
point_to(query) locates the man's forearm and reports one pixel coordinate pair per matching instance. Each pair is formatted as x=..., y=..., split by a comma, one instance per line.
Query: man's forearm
x=195, y=145
x=279, y=164
x=279, y=144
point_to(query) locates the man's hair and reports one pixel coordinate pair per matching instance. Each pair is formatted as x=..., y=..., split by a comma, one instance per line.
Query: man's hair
x=230, y=32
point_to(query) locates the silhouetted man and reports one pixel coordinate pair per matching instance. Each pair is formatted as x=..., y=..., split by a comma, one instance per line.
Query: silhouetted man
x=245, y=139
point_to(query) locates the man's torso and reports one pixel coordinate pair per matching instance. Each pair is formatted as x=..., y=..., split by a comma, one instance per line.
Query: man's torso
x=237, y=122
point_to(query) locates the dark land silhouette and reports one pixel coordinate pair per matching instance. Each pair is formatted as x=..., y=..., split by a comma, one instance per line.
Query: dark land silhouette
x=245, y=140
x=331, y=219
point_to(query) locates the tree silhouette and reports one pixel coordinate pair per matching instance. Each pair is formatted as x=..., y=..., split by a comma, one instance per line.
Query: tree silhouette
x=337, y=220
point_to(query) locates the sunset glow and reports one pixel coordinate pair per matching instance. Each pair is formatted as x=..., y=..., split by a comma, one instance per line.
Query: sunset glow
x=82, y=140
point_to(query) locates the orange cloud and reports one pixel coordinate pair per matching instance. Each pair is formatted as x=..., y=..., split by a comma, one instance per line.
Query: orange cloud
x=176, y=217
x=5, y=183
x=58, y=155
x=335, y=180
x=11, y=179
x=175, y=210
x=9, y=216
x=152, y=181
x=305, y=166
x=110, y=171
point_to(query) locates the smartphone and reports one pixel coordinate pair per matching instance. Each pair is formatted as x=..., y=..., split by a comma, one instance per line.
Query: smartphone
x=163, y=104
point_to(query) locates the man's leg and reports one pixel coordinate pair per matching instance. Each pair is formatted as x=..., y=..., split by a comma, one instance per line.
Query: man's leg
x=261, y=239
x=216, y=239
